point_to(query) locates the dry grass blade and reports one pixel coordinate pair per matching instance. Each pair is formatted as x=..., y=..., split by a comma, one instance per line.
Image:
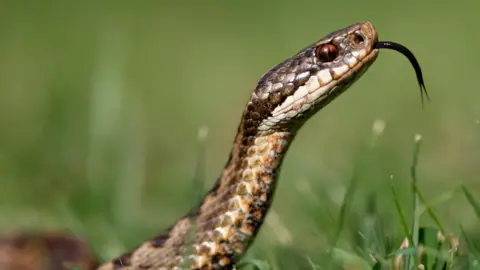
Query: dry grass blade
x=398, y=262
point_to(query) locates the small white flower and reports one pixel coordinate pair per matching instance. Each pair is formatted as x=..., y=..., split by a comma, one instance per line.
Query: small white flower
x=378, y=127
x=418, y=137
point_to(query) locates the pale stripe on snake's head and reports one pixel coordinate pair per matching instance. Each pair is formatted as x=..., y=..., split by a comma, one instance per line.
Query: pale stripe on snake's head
x=217, y=233
x=299, y=86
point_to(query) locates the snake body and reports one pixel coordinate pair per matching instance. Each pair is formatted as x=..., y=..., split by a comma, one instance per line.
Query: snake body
x=219, y=231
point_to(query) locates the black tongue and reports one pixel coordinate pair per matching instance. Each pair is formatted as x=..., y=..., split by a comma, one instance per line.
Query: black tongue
x=405, y=51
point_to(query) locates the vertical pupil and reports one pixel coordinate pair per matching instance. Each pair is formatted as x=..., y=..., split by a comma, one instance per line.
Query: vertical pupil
x=329, y=53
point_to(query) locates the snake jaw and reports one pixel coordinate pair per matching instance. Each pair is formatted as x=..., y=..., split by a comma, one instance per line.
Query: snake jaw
x=220, y=230
x=301, y=85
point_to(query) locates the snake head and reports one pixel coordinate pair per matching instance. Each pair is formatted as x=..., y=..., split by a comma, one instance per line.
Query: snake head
x=295, y=89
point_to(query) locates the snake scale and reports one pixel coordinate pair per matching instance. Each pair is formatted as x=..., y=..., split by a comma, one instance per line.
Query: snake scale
x=219, y=231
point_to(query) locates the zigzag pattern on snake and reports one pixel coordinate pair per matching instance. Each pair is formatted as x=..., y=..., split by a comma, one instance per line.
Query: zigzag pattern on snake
x=220, y=230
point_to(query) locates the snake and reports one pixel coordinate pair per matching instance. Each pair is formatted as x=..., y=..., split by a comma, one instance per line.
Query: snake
x=217, y=232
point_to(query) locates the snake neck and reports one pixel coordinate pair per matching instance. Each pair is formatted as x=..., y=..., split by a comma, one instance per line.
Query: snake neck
x=217, y=232
x=233, y=211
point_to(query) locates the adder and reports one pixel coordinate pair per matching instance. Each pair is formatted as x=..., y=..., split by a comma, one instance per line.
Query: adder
x=216, y=233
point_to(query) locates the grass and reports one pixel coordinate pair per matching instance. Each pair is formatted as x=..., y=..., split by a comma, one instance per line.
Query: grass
x=421, y=247
x=100, y=109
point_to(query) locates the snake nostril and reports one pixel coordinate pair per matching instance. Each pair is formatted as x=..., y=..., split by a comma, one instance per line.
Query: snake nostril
x=357, y=38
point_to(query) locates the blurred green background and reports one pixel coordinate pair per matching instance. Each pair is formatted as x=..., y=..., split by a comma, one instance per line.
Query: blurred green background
x=101, y=103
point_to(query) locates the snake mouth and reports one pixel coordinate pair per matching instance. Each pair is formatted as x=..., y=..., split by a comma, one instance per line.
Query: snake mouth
x=322, y=87
x=339, y=60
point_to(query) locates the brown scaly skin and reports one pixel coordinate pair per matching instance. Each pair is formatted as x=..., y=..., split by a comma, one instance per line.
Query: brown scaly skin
x=215, y=234
x=42, y=251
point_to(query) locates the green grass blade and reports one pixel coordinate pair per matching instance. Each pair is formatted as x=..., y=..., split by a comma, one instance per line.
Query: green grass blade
x=257, y=264
x=413, y=181
x=406, y=230
x=471, y=247
x=427, y=208
x=439, y=200
x=349, y=258
x=199, y=175
x=472, y=201
x=343, y=209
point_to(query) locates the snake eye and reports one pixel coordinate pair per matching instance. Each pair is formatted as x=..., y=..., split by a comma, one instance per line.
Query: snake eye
x=327, y=52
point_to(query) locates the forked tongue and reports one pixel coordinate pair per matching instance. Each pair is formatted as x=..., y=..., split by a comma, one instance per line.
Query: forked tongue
x=405, y=51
